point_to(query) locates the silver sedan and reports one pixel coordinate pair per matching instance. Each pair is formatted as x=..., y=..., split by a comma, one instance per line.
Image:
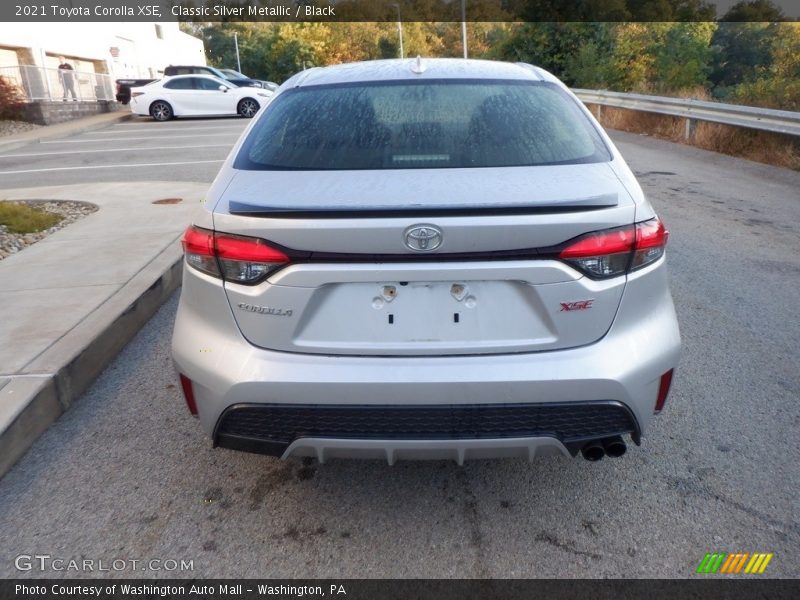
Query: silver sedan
x=425, y=259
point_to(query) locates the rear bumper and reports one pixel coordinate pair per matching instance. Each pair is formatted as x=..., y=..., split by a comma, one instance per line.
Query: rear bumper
x=137, y=107
x=391, y=451
x=391, y=432
x=624, y=367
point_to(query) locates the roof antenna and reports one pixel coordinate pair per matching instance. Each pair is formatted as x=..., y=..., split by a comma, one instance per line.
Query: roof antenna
x=418, y=67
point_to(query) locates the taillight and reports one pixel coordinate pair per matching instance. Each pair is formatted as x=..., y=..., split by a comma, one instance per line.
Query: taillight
x=663, y=390
x=602, y=254
x=613, y=252
x=236, y=258
x=651, y=239
x=246, y=259
x=135, y=94
x=198, y=247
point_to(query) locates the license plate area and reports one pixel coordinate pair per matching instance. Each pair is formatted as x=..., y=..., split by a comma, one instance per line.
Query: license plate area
x=456, y=316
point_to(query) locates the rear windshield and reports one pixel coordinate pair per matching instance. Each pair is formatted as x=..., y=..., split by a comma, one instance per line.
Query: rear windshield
x=412, y=124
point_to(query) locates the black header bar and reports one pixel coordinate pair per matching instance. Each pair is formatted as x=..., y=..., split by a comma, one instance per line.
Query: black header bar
x=701, y=587
x=388, y=10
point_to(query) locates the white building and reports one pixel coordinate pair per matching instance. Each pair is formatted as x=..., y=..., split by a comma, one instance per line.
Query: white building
x=138, y=50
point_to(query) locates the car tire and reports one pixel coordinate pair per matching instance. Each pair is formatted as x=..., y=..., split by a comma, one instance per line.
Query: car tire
x=248, y=107
x=161, y=111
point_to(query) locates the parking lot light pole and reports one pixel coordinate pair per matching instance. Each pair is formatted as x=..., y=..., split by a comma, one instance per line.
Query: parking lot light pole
x=399, y=28
x=464, y=25
x=236, y=43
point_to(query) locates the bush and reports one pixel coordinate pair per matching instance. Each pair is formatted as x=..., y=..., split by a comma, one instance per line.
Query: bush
x=11, y=99
x=773, y=92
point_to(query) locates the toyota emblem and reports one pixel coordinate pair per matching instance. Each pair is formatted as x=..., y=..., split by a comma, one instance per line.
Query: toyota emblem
x=422, y=238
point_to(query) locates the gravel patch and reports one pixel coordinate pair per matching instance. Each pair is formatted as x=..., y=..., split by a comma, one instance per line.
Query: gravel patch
x=11, y=243
x=12, y=127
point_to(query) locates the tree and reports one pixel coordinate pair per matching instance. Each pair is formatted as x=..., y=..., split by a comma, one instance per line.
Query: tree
x=753, y=10
x=684, y=58
x=742, y=50
x=743, y=42
x=255, y=43
x=632, y=59
x=588, y=67
x=551, y=46
x=388, y=47
x=671, y=10
x=775, y=84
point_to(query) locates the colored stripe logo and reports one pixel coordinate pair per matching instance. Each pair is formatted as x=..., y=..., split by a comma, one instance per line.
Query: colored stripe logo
x=741, y=562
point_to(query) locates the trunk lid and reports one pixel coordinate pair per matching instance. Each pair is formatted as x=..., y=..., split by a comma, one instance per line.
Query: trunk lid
x=360, y=290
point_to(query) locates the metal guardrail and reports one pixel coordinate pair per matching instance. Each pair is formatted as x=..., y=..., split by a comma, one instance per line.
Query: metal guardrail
x=40, y=83
x=764, y=119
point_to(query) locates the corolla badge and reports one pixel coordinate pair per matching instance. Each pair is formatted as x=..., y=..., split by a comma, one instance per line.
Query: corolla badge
x=422, y=238
x=265, y=310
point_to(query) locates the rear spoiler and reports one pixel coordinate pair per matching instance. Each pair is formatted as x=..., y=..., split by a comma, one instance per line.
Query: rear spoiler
x=260, y=210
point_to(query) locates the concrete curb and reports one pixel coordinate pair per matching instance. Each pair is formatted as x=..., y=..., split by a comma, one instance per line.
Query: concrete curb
x=69, y=128
x=33, y=402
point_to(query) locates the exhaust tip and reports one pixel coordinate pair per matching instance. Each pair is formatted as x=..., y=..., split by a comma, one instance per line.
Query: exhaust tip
x=614, y=447
x=593, y=451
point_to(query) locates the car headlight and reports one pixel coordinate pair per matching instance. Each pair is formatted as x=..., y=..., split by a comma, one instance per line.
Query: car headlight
x=256, y=84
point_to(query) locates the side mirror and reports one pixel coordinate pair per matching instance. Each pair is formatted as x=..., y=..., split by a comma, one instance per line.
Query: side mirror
x=223, y=88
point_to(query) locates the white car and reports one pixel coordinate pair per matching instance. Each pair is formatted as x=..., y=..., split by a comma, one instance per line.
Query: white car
x=196, y=96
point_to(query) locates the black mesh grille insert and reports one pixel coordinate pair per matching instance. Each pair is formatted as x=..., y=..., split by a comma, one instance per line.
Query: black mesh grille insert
x=569, y=422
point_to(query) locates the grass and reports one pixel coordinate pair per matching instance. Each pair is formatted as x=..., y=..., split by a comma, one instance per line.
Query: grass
x=761, y=146
x=21, y=218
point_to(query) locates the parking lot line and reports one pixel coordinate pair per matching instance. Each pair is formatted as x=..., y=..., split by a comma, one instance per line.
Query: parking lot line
x=150, y=137
x=161, y=164
x=165, y=129
x=114, y=150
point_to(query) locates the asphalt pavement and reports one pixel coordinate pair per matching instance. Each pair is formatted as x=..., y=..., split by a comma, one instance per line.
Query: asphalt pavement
x=140, y=149
x=127, y=474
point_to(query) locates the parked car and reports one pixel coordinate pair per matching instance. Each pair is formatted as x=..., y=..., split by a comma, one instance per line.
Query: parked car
x=196, y=96
x=124, y=86
x=238, y=79
x=232, y=75
x=425, y=259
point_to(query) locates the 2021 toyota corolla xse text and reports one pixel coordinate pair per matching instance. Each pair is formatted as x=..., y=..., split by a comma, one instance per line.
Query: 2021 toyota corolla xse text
x=425, y=259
